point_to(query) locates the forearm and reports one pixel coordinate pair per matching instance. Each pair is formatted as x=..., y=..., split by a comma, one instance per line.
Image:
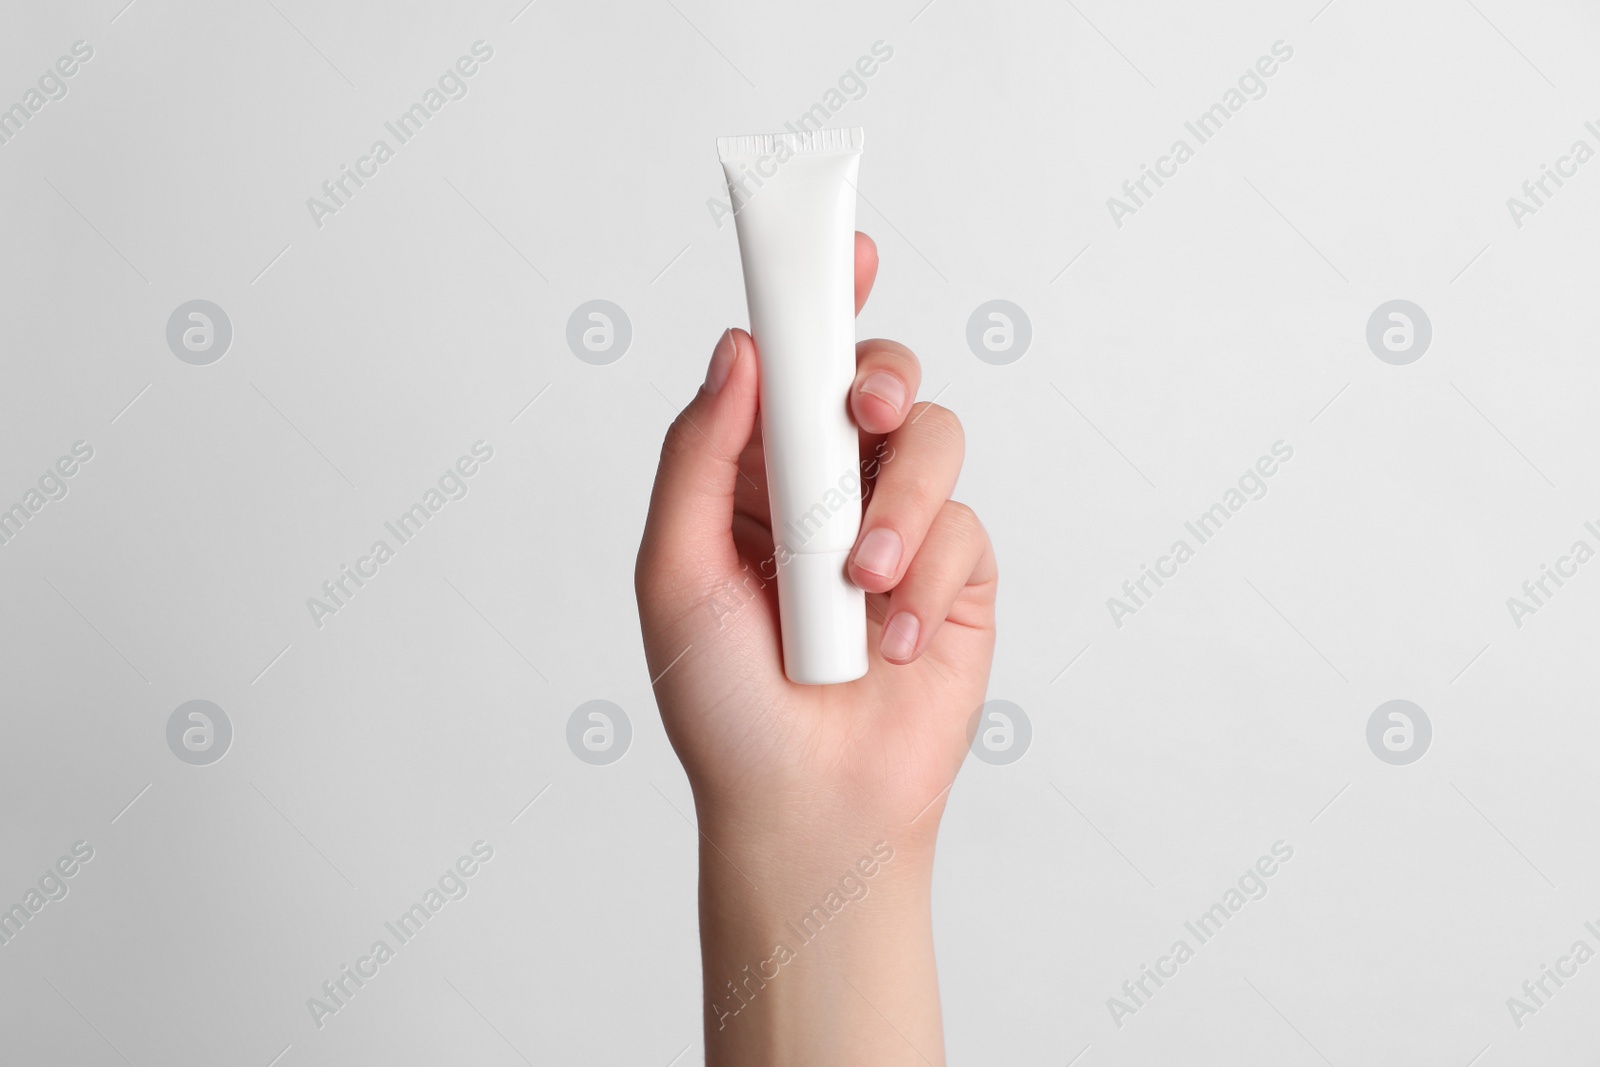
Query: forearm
x=817, y=947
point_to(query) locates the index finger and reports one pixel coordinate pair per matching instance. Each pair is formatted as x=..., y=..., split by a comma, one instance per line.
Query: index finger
x=866, y=268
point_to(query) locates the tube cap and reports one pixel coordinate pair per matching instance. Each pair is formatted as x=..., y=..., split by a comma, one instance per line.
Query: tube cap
x=823, y=617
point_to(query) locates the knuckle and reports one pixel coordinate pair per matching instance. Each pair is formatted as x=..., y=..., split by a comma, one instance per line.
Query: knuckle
x=962, y=515
x=962, y=525
x=881, y=348
x=963, y=528
x=940, y=424
x=680, y=440
x=891, y=356
x=911, y=488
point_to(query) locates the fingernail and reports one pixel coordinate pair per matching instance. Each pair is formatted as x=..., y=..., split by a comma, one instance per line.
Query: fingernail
x=879, y=552
x=885, y=387
x=721, y=363
x=900, y=637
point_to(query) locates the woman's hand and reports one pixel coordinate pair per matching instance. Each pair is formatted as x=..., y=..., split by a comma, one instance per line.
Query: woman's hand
x=796, y=784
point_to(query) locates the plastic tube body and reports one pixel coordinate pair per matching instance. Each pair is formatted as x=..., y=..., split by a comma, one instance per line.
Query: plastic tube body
x=795, y=205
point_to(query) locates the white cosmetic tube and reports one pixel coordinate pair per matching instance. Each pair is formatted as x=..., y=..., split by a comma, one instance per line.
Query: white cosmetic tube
x=794, y=202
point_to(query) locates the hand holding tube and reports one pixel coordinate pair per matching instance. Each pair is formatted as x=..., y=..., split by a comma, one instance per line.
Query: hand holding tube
x=793, y=784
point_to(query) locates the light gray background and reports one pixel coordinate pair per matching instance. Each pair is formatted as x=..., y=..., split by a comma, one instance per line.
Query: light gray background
x=369, y=354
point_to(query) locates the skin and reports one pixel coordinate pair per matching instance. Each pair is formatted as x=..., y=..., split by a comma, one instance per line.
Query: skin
x=800, y=790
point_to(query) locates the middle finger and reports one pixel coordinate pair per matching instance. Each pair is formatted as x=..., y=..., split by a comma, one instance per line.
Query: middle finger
x=914, y=480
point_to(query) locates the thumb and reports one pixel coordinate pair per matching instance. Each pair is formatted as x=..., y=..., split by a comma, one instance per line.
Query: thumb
x=691, y=508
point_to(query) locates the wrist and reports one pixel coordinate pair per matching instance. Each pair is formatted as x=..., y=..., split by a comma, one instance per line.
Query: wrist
x=832, y=924
x=787, y=824
x=787, y=873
